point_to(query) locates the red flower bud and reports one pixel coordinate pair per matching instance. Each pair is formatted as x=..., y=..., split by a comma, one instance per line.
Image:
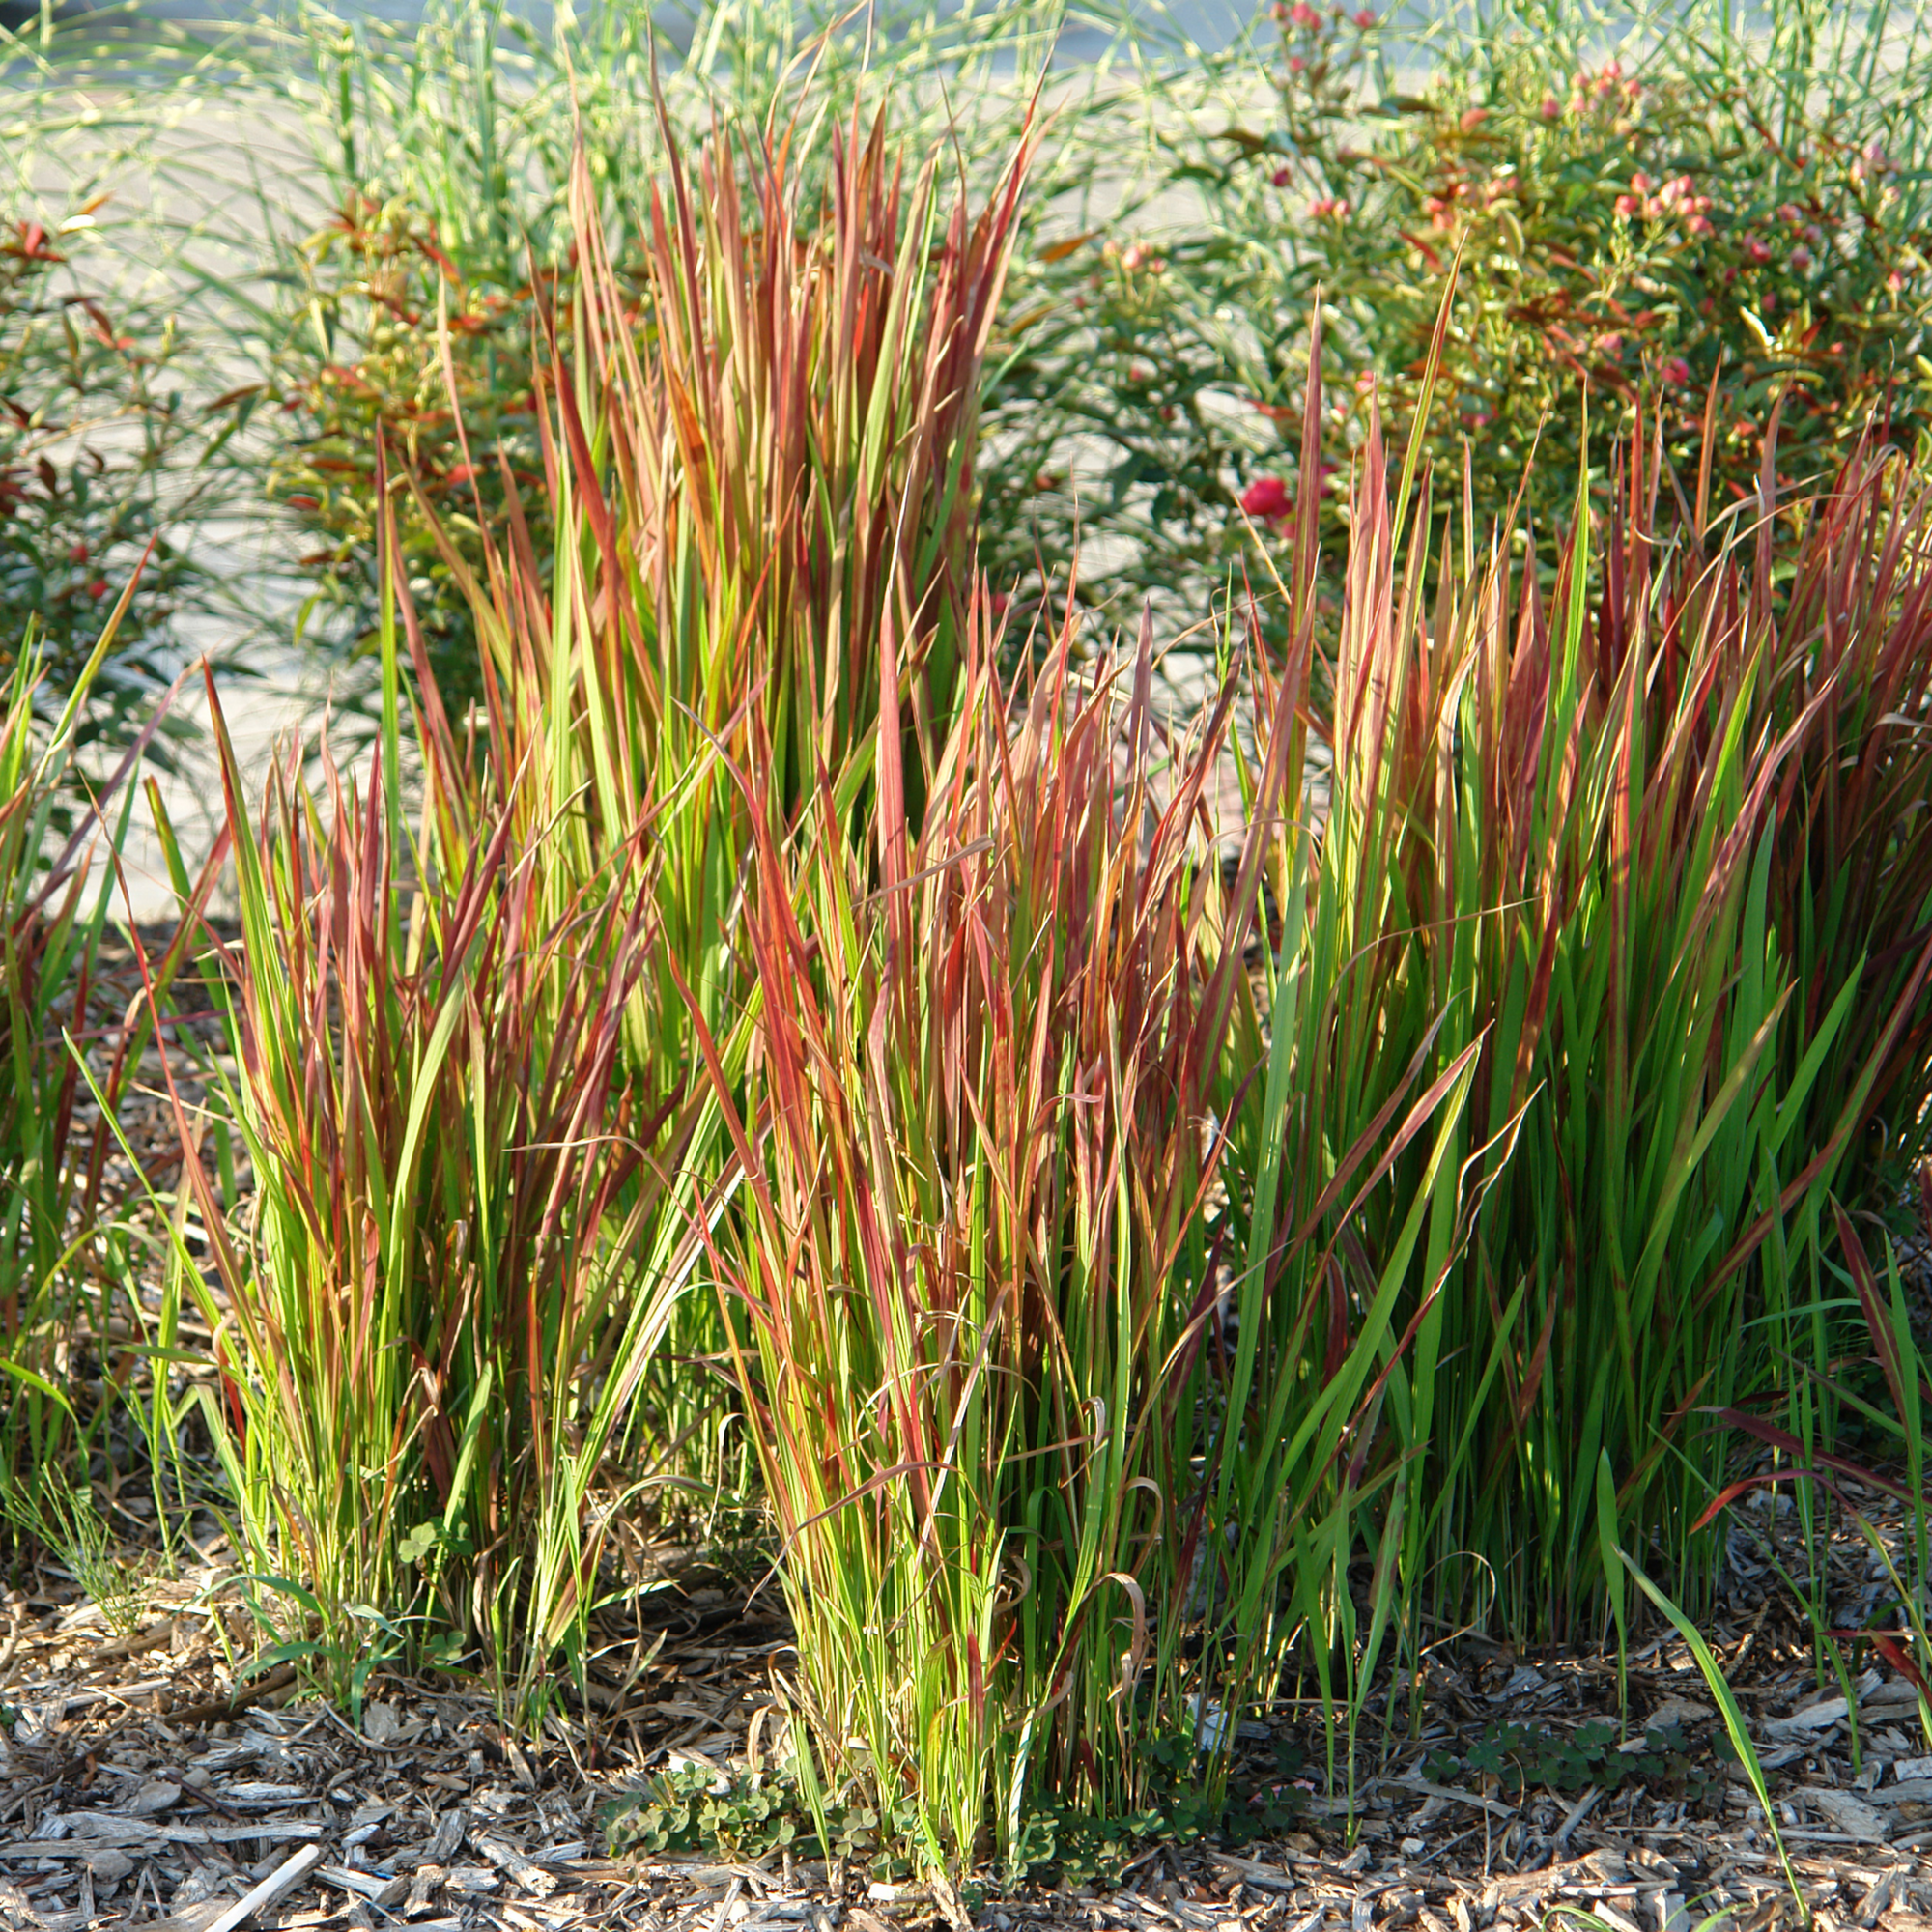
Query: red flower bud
x=1266, y=499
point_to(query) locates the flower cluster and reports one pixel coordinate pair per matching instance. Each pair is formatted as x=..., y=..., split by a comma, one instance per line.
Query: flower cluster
x=1308, y=19
x=1610, y=90
x=1677, y=199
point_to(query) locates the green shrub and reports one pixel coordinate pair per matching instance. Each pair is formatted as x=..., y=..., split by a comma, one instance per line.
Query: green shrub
x=394, y=330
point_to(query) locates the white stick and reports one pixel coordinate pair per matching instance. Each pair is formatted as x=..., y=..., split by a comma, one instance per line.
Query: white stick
x=268, y=1892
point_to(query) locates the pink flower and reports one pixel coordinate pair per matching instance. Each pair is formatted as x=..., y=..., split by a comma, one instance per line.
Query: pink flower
x=1365, y=20
x=1266, y=497
x=1140, y=256
x=1326, y=206
x=1675, y=371
x=1281, y=177
x=1799, y=260
x=1304, y=16
x=1790, y=213
x=1628, y=205
x=1610, y=346
x=1894, y=281
x=98, y=590
x=1756, y=249
x=1640, y=184
x=1296, y=63
x=1552, y=108
x=1701, y=224
x=78, y=554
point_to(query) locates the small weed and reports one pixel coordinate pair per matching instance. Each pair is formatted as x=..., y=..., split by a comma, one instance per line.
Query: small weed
x=694, y=1808
x=1522, y=1756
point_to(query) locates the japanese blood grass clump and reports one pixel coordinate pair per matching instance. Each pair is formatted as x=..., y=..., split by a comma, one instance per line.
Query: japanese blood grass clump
x=759, y=465
x=760, y=469
x=1875, y=1487
x=462, y=1250
x=1064, y=1439
x=1595, y=811
x=68, y=1332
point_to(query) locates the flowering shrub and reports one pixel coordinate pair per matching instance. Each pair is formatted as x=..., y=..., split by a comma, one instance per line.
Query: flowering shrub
x=365, y=353
x=1622, y=235
x=1624, y=231
x=95, y=458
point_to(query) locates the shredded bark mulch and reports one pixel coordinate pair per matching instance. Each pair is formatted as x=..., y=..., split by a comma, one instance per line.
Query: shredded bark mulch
x=146, y=1779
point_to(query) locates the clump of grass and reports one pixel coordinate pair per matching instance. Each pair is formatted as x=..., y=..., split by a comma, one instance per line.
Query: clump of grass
x=59, y=1293
x=759, y=468
x=1599, y=804
x=431, y=1328
x=1066, y=1387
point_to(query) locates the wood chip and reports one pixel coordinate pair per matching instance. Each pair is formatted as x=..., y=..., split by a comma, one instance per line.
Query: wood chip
x=1848, y=1814
x=280, y=1880
x=381, y=1888
x=1448, y=1792
x=1817, y=1717
x=507, y=1859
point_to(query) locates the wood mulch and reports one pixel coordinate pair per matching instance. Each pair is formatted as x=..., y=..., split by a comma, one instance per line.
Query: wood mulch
x=142, y=1783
